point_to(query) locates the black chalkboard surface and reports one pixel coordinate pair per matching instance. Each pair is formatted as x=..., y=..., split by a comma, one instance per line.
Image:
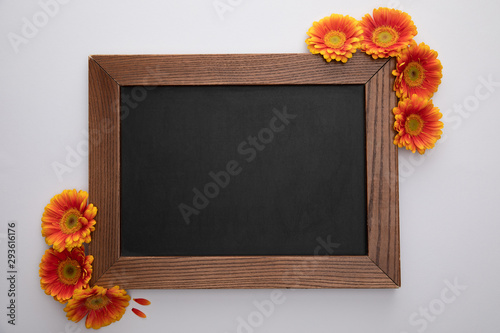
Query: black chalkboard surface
x=244, y=170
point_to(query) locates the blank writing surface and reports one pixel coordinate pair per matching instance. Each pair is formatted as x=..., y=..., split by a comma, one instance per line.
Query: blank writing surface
x=243, y=170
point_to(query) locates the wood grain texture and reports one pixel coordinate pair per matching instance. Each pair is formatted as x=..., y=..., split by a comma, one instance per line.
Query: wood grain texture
x=382, y=173
x=379, y=269
x=245, y=272
x=237, y=69
x=104, y=168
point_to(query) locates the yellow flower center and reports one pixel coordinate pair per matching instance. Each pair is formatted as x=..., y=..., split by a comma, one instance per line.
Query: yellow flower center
x=335, y=39
x=385, y=36
x=70, y=221
x=414, y=74
x=69, y=271
x=96, y=302
x=414, y=124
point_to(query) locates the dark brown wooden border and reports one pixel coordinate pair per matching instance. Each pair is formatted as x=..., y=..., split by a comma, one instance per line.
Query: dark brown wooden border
x=379, y=269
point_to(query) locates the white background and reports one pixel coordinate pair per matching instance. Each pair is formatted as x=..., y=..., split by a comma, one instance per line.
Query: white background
x=449, y=199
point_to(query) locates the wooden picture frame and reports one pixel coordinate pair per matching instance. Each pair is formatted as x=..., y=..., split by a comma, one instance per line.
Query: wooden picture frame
x=380, y=268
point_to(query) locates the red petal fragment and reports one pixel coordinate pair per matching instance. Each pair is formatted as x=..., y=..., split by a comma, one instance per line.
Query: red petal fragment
x=142, y=301
x=138, y=313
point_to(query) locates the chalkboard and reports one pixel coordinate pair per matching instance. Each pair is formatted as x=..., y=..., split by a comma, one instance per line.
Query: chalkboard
x=243, y=171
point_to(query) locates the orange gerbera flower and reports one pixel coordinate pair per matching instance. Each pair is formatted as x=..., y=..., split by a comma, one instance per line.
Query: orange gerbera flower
x=418, y=71
x=101, y=306
x=387, y=32
x=335, y=37
x=67, y=220
x=417, y=123
x=61, y=273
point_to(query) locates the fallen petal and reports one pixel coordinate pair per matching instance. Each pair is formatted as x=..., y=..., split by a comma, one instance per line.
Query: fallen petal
x=139, y=313
x=142, y=301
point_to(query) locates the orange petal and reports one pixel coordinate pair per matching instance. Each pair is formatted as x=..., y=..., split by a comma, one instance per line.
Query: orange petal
x=139, y=313
x=142, y=301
